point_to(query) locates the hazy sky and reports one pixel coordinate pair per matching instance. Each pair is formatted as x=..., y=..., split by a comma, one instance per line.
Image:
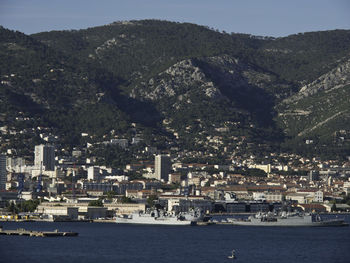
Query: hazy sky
x=257, y=17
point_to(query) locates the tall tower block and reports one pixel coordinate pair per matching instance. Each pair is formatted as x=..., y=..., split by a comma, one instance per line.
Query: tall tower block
x=3, y=172
x=45, y=156
x=162, y=166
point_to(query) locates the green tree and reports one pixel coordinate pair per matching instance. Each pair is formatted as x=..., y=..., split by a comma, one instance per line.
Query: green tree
x=28, y=206
x=334, y=208
x=12, y=208
x=255, y=172
x=346, y=199
x=151, y=199
x=111, y=194
x=96, y=203
x=126, y=200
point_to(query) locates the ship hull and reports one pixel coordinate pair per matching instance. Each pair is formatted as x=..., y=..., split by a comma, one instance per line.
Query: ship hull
x=143, y=219
x=299, y=222
x=156, y=222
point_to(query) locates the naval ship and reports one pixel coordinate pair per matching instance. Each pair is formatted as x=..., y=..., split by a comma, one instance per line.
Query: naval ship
x=287, y=219
x=160, y=217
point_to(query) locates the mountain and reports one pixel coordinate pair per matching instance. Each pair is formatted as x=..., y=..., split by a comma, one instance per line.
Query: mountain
x=53, y=91
x=320, y=110
x=180, y=84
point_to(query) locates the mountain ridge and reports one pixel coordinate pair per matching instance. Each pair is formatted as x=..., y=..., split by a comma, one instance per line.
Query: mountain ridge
x=146, y=71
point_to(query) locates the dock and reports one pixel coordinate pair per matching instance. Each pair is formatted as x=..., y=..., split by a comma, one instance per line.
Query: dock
x=33, y=233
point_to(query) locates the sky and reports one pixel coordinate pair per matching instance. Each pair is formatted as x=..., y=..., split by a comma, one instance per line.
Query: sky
x=275, y=18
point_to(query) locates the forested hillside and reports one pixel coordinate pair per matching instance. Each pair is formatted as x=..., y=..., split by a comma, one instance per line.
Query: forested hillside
x=180, y=83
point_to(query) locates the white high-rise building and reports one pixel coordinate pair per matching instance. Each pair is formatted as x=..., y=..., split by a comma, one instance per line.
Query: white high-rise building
x=93, y=173
x=15, y=164
x=3, y=172
x=162, y=166
x=45, y=156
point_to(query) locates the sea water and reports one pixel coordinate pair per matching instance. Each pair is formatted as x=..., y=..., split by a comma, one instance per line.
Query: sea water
x=110, y=242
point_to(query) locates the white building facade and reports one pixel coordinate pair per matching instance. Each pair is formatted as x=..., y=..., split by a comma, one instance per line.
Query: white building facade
x=45, y=156
x=162, y=167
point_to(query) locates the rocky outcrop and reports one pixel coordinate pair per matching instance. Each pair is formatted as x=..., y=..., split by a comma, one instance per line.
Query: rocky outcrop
x=319, y=107
x=335, y=79
x=177, y=80
x=236, y=74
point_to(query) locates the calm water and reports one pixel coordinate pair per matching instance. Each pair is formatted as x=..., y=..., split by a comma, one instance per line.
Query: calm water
x=107, y=242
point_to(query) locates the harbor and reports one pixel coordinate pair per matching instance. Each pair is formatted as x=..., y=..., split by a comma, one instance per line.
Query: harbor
x=214, y=243
x=32, y=233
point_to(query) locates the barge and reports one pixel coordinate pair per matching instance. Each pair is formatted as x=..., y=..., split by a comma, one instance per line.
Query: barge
x=34, y=233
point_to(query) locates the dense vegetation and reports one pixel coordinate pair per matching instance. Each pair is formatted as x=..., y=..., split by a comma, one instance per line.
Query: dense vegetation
x=81, y=82
x=25, y=206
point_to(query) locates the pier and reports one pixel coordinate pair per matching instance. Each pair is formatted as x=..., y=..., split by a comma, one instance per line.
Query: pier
x=33, y=233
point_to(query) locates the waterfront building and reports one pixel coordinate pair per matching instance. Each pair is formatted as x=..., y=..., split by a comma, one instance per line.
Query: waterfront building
x=313, y=195
x=45, y=156
x=162, y=167
x=181, y=203
x=274, y=197
x=58, y=212
x=301, y=198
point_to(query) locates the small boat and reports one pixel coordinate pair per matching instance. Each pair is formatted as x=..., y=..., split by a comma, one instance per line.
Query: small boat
x=233, y=256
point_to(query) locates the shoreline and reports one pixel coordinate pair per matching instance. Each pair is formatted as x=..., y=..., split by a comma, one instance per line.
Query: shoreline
x=113, y=220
